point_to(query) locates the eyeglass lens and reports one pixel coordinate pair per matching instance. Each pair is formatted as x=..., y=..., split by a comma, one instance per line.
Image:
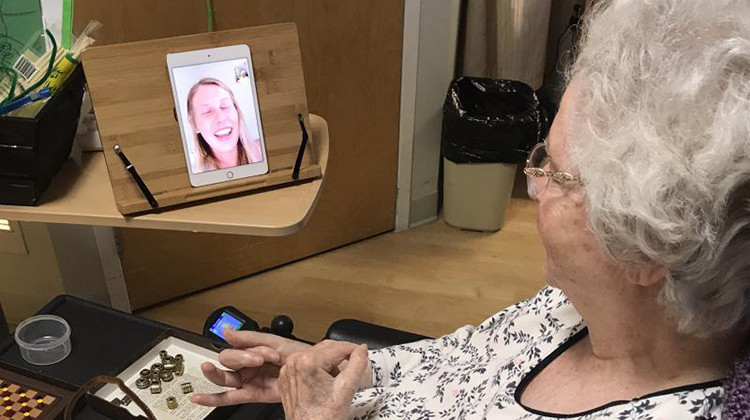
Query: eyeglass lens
x=537, y=159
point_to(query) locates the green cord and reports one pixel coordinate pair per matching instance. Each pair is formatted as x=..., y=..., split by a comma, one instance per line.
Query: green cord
x=209, y=16
x=49, y=68
x=67, y=25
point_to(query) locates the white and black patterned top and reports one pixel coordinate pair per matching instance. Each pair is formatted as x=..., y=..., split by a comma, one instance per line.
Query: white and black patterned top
x=480, y=372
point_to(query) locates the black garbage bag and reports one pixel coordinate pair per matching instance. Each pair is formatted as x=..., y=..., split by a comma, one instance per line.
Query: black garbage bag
x=491, y=121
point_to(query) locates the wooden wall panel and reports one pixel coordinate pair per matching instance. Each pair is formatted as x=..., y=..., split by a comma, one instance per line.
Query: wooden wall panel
x=136, y=20
x=231, y=14
x=351, y=53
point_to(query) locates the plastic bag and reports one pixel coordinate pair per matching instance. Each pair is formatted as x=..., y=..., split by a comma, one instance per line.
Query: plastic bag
x=491, y=121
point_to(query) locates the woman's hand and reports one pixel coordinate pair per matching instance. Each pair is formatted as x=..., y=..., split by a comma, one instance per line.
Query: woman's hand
x=254, y=360
x=317, y=385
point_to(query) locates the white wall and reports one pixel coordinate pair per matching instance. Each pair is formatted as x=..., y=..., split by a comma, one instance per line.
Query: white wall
x=430, y=38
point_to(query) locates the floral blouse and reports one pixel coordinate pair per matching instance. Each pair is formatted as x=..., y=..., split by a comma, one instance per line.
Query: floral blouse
x=480, y=372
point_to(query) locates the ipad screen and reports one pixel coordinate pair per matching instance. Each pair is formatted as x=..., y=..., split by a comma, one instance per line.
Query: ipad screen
x=218, y=112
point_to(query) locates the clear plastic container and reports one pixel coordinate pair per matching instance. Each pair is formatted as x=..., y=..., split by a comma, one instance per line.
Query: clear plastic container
x=43, y=339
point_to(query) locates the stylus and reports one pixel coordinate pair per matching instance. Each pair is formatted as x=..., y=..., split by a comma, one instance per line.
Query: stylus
x=130, y=168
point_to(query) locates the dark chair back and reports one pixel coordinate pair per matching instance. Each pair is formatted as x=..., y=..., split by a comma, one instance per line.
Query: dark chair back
x=375, y=336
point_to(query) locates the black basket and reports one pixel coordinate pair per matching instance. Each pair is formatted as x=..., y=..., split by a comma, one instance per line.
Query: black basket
x=33, y=149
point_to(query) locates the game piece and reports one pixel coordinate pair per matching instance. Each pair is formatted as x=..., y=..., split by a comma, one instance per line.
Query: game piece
x=155, y=384
x=179, y=367
x=155, y=388
x=166, y=376
x=157, y=368
x=143, y=383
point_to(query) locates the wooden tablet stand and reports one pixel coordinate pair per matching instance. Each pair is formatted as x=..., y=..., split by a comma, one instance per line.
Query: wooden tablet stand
x=132, y=96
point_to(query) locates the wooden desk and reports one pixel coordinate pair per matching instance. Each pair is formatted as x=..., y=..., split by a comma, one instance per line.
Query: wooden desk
x=83, y=195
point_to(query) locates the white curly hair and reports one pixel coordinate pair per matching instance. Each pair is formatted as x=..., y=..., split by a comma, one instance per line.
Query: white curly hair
x=661, y=139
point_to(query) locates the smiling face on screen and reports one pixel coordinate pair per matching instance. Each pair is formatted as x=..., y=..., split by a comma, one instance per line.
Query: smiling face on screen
x=213, y=114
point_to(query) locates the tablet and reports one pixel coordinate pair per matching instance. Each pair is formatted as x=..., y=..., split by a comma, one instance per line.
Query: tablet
x=216, y=104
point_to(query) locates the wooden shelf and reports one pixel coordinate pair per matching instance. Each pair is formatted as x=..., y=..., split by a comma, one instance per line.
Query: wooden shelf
x=83, y=195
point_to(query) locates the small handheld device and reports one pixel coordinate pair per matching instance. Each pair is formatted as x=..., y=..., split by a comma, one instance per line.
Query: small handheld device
x=216, y=105
x=228, y=316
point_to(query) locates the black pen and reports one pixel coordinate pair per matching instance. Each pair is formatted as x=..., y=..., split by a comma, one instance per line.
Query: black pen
x=130, y=168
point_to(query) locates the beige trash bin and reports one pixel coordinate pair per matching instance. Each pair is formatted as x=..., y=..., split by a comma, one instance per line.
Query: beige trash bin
x=476, y=195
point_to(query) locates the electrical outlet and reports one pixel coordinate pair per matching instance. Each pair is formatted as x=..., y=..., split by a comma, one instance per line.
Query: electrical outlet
x=11, y=238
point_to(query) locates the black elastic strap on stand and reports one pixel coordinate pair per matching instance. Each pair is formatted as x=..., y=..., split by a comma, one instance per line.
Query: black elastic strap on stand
x=302, y=146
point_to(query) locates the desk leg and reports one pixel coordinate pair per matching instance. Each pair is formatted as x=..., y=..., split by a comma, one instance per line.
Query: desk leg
x=89, y=264
x=114, y=277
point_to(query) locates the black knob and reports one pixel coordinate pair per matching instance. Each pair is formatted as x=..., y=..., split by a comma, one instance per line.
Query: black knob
x=282, y=325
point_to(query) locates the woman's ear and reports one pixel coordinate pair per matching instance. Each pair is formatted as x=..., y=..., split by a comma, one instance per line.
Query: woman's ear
x=648, y=276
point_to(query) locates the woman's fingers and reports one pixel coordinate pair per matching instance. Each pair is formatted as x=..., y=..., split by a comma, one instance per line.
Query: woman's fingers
x=233, y=397
x=221, y=377
x=328, y=354
x=252, y=339
x=351, y=377
x=335, y=344
x=309, y=391
x=239, y=359
x=358, y=361
x=248, y=339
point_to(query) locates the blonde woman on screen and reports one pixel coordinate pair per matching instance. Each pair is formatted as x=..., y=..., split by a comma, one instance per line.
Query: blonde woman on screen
x=221, y=136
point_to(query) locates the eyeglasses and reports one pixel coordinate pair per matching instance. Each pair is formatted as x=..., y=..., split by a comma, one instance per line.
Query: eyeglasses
x=539, y=176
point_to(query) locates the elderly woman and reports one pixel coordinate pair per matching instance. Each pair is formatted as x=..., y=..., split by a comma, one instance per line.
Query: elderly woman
x=643, y=190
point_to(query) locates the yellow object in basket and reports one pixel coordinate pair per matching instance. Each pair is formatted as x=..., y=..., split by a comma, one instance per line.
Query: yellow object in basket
x=60, y=73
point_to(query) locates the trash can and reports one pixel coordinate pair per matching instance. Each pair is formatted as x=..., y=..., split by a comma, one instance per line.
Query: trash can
x=489, y=126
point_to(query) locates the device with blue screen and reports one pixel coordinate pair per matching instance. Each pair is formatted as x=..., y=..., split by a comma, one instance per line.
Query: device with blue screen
x=226, y=320
x=230, y=317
